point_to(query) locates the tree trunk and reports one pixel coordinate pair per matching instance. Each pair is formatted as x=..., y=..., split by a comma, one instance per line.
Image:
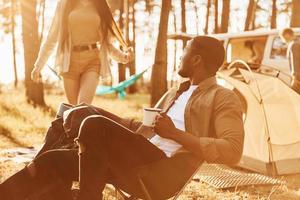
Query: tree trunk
x=34, y=91
x=216, y=16
x=295, y=19
x=250, y=15
x=148, y=6
x=175, y=51
x=225, y=16
x=207, y=16
x=132, y=65
x=159, y=70
x=197, y=17
x=274, y=14
x=183, y=20
x=42, y=19
x=13, y=37
x=121, y=67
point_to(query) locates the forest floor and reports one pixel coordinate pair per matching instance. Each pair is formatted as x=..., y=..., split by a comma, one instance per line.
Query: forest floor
x=22, y=125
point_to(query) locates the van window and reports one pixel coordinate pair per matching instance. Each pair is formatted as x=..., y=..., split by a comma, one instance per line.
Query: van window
x=249, y=49
x=279, y=48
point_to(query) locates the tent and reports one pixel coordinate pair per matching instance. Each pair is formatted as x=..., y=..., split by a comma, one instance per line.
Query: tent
x=271, y=118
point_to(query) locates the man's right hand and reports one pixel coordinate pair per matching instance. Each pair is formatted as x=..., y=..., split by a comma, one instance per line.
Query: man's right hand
x=36, y=75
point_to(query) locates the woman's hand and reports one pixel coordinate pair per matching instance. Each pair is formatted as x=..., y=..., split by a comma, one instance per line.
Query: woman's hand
x=36, y=75
x=130, y=54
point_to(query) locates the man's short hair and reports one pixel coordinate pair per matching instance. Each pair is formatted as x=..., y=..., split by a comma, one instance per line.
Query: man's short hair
x=288, y=31
x=211, y=51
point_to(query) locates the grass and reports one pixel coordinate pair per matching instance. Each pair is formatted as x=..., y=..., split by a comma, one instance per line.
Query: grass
x=22, y=125
x=20, y=120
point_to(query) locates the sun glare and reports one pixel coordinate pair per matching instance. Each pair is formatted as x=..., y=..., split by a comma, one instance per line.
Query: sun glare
x=6, y=63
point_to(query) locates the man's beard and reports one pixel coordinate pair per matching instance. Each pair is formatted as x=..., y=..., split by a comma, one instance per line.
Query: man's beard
x=184, y=72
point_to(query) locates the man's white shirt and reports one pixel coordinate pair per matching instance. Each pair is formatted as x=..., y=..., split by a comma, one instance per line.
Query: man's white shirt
x=176, y=113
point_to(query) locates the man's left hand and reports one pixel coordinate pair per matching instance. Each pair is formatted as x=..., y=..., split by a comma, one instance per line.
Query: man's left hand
x=164, y=126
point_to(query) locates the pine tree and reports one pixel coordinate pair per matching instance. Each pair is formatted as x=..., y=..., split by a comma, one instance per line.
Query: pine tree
x=31, y=42
x=159, y=70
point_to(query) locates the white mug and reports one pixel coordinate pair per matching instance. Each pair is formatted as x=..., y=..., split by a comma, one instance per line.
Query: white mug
x=149, y=115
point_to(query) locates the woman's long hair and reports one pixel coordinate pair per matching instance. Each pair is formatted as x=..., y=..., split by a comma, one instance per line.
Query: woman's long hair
x=107, y=21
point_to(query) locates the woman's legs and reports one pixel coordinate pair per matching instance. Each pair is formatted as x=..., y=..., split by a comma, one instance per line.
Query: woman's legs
x=107, y=148
x=82, y=78
x=72, y=87
x=82, y=90
x=88, y=84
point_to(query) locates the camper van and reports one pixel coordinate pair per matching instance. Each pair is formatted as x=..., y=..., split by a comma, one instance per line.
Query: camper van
x=260, y=47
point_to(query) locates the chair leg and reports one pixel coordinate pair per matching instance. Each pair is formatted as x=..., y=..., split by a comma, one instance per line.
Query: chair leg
x=147, y=195
x=118, y=191
x=124, y=196
x=177, y=195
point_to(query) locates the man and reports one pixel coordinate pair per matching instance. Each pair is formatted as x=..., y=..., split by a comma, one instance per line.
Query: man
x=293, y=53
x=200, y=121
x=257, y=50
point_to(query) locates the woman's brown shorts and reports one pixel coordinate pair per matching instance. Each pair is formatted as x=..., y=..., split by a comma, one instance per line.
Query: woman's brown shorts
x=82, y=62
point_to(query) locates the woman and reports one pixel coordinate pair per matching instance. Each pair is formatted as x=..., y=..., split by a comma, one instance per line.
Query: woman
x=83, y=30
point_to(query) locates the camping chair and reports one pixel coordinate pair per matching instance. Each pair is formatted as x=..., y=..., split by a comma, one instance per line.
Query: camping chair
x=159, y=181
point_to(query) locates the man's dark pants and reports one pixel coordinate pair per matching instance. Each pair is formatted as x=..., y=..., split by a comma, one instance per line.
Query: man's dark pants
x=112, y=154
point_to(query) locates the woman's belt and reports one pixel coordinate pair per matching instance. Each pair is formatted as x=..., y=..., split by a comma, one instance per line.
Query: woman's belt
x=84, y=47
